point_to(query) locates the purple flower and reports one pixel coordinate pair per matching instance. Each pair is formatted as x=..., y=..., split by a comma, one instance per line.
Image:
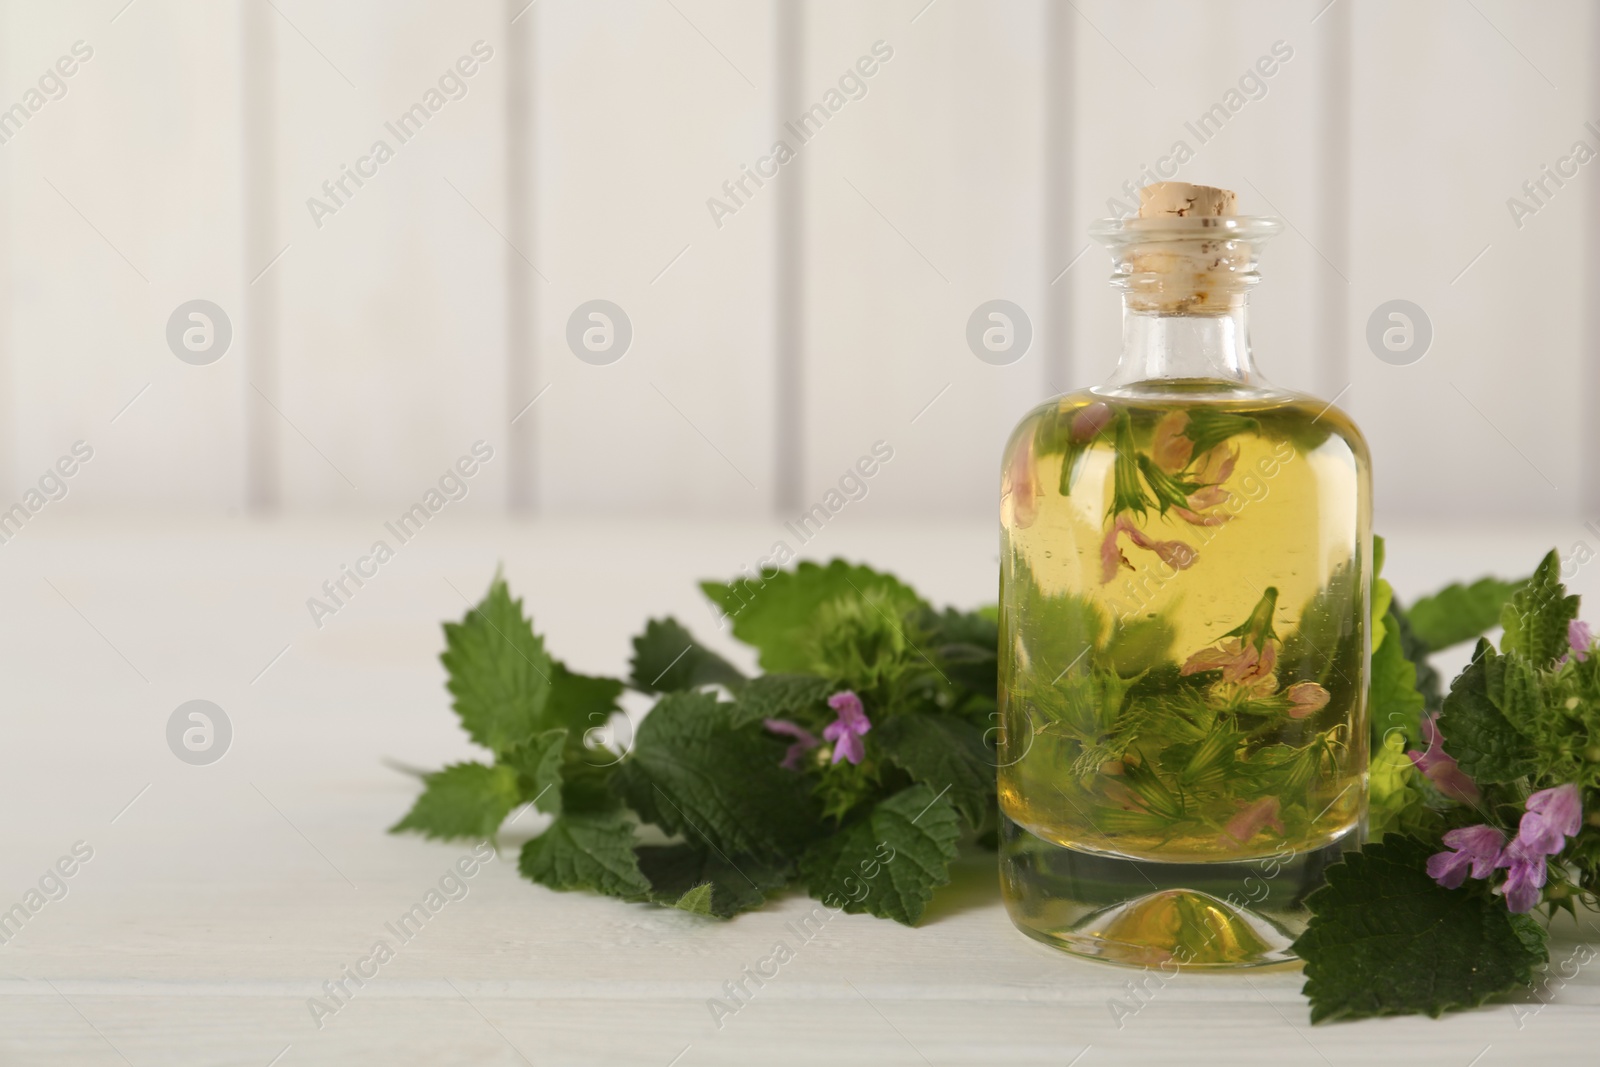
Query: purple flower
x=1552, y=816
x=1478, y=847
x=1440, y=768
x=845, y=731
x=1525, y=879
x=1580, y=638
x=804, y=741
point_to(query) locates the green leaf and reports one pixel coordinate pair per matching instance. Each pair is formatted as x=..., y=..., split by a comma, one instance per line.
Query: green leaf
x=580, y=702
x=499, y=671
x=946, y=753
x=967, y=646
x=778, y=696
x=693, y=772
x=1488, y=747
x=698, y=879
x=464, y=800
x=1459, y=612
x=778, y=615
x=538, y=762
x=889, y=862
x=1536, y=616
x=667, y=659
x=1395, y=700
x=1385, y=939
x=586, y=852
x=1208, y=428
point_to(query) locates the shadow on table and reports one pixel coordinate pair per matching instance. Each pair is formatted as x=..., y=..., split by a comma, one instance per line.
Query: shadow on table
x=974, y=884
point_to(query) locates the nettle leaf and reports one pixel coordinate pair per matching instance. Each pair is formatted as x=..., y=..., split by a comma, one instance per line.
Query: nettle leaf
x=889, y=862
x=695, y=878
x=778, y=696
x=1395, y=701
x=1385, y=939
x=946, y=753
x=499, y=670
x=667, y=659
x=464, y=800
x=579, y=702
x=586, y=851
x=1486, y=745
x=1459, y=612
x=538, y=763
x=967, y=645
x=778, y=614
x=1535, y=618
x=693, y=772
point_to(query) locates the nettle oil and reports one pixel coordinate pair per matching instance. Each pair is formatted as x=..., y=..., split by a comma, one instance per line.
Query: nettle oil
x=1184, y=646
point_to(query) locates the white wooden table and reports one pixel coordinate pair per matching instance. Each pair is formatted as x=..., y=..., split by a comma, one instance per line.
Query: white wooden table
x=220, y=898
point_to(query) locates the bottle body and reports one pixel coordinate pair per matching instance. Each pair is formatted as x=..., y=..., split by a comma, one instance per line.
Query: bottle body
x=1184, y=652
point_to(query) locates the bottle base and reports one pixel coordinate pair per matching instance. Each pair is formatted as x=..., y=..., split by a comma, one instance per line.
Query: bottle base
x=1215, y=915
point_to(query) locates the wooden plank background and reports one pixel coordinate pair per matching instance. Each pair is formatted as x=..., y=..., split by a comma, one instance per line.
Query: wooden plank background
x=774, y=345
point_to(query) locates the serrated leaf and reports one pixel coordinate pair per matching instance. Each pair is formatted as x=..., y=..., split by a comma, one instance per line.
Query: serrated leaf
x=1395, y=701
x=778, y=614
x=499, y=670
x=698, y=879
x=889, y=862
x=1535, y=618
x=693, y=772
x=1385, y=939
x=538, y=763
x=1487, y=746
x=582, y=851
x=946, y=753
x=778, y=696
x=464, y=800
x=667, y=659
x=697, y=901
x=579, y=702
x=967, y=646
x=1459, y=612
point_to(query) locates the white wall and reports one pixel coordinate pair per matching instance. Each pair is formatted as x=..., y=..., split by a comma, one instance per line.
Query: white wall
x=773, y=347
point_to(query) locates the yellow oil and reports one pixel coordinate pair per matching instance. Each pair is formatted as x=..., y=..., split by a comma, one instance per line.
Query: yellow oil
x=1132, y=725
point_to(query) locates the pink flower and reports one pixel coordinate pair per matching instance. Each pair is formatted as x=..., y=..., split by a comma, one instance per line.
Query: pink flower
x=1175, y=554
x=1089, y=421
x=1524, y=884
x=1022, y=487
x=1241, y=663
x=804, y=741
x=1216, y=465
x=845, y=731
x=1476, y=847
x=1305, y=698
x=1169, y=448
x=1580, y=639
x=1252, y=818
x=1440, y=768
x=1551, y=816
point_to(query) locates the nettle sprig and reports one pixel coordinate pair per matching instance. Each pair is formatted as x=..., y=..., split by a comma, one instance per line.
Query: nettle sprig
x=851, y=768
x=1483, y=806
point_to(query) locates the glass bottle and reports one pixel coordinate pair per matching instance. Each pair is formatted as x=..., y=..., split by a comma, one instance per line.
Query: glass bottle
x=1186, y=557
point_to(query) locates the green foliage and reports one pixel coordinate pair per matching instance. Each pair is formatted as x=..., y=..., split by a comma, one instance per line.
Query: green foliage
x=889, y=862
x=1535, y=618
x=703, y=881
x=1486, y=745
x=779, y=615
x=464, y=800
x=667, y=659
x=1395, y=703
x=948, y=754
x=1459, y=612
x=538, y=765
x=693, y=772
x=1385, y=939
x=586, y=852
x=499, y=671
x=779, y=696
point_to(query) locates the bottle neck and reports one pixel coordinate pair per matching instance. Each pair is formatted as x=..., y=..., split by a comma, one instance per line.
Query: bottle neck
x=1160, y=347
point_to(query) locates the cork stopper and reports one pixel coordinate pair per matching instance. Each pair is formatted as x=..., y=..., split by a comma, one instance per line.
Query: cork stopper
x=1184, y=271
x=1182, y=200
